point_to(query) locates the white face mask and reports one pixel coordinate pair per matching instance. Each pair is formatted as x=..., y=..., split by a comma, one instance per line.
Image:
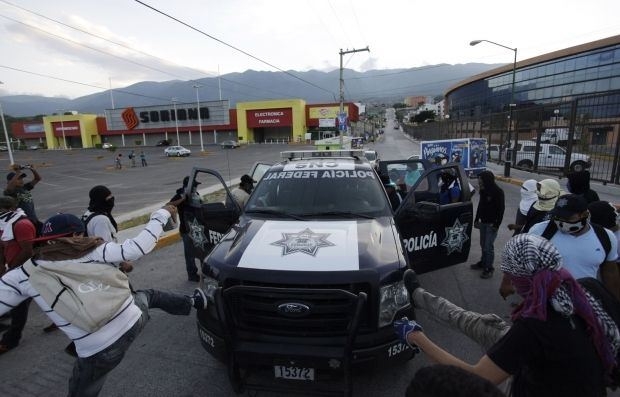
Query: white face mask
x=571, y=227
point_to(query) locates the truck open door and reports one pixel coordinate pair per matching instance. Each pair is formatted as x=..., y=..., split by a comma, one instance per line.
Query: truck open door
x=209, y=211
x=435, y=235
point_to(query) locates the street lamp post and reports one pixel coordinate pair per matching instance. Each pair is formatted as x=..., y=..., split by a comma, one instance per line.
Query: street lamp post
x=202, y=147
x=176, y=119
x=508, y=162
x=6, y=134
x=62, y=127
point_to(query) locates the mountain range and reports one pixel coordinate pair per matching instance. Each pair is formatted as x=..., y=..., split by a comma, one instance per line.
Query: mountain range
x=375, y=86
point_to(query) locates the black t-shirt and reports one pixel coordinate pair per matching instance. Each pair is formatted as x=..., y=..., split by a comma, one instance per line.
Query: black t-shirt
x=550, y=358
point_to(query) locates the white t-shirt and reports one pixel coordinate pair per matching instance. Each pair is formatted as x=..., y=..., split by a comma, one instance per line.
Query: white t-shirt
x=582, y=255
x=100, y=226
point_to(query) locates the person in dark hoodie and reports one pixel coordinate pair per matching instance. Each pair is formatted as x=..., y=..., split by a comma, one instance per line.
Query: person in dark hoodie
x=579, y=183
x=489, y=216
x=188, y=244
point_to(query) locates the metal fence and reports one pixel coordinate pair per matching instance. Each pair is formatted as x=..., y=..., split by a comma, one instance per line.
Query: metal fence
x=551, y=138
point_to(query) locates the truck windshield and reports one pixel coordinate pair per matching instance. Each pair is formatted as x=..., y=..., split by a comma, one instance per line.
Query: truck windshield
x=320, y=192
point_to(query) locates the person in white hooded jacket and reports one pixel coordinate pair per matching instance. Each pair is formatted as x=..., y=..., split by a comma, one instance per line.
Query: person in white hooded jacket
x=101, y=350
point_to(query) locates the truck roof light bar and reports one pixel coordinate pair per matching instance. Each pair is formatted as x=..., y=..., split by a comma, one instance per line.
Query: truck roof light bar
x=305, y=154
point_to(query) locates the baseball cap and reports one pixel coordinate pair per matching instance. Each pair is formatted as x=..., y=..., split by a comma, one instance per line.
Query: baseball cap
x=10, y=176
x=247, y=179
x=569, y=205
x=61, y=225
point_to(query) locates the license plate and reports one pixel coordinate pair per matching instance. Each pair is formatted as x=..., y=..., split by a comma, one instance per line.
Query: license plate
x=297, y=373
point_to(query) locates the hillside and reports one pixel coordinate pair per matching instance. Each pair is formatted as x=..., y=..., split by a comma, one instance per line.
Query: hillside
x=375, y=86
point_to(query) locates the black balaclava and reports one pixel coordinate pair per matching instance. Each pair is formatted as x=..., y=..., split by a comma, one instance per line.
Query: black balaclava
x=99, y=204
x=578, y=182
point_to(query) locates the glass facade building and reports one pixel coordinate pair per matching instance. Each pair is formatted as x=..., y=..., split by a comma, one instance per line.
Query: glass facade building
x=588, y=70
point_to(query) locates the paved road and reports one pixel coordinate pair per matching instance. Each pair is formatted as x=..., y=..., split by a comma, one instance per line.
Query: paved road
x=167, y=359
x=68, y=175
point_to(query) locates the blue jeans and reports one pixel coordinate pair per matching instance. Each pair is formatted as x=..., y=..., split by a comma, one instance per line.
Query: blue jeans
x=188, y=252
x=488, y=234
x=89, y=373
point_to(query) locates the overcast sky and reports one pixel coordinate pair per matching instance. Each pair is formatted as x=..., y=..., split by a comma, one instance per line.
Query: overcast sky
x=72, y=48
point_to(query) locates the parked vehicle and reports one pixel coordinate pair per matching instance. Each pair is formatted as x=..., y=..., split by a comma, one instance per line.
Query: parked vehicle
x=163, y=142
x=558, y=136
x=229, y=145
x=306, y=280
x=373, y=157
x=494, y=152
x=33, y=147
x=471, y=153
x=549, y=156
x=178, y=151
x=3, y=148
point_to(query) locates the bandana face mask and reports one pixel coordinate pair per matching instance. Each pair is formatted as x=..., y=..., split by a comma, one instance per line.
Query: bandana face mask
x=571, y=227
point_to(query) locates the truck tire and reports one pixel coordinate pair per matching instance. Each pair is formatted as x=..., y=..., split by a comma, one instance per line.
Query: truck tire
x=525, y=164
x=578, y=166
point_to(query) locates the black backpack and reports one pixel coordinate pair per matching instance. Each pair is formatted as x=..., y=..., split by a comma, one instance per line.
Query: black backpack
x=86, y=219
x=599, y=230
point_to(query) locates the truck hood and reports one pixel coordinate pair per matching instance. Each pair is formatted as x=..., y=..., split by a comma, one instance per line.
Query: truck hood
x=310, y=246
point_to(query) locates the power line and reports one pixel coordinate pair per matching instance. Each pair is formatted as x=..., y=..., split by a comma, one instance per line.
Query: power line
x=231, y=46
x=132, y=49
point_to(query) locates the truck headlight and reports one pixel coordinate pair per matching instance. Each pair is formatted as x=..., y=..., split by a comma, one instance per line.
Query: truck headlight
x=392, y=298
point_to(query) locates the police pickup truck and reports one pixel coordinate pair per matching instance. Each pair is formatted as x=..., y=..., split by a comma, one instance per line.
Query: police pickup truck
x=307, y=279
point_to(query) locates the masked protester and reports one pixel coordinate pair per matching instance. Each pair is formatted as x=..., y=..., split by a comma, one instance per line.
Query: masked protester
x=579, y=183
x=98, y=218
x=606, y=215
x=528, y=198
x=587, y=249
x=561, y=343
x=547, y=193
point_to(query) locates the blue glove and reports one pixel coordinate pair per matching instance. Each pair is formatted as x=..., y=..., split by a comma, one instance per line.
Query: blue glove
x=403, y=327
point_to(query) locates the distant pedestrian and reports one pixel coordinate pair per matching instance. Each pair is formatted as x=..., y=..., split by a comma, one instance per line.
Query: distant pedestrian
x=143, y=158
x=132, y=158
x=489, y=216
x=117, y=161
x=579, y=183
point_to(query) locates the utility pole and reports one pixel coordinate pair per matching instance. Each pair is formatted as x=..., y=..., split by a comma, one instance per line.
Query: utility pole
x=341, y=114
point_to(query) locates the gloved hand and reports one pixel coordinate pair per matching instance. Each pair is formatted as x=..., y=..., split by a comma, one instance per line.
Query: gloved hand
x=403, y=327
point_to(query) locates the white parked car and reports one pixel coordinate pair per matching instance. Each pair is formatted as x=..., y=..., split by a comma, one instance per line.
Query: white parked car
x=107, y=145
x=549, y=156
x=177, y=151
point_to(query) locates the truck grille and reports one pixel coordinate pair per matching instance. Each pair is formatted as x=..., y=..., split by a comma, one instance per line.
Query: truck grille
x=314, y=312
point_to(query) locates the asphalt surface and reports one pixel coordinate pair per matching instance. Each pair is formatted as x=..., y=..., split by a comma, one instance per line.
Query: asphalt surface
x=167, y=358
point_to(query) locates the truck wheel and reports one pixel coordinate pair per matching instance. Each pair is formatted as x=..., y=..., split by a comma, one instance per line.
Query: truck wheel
x=578, y=166
x=525, y=164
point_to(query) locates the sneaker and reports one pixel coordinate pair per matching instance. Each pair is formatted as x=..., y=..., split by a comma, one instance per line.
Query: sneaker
x=487, y=273
x=476, y=266
x=199, y=299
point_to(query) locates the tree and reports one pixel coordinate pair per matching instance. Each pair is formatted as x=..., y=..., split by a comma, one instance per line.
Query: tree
x=424, y=115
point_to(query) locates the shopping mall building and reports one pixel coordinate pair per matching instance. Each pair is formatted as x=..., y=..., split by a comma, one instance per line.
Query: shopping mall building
x=587, y=70
x=286, y=120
